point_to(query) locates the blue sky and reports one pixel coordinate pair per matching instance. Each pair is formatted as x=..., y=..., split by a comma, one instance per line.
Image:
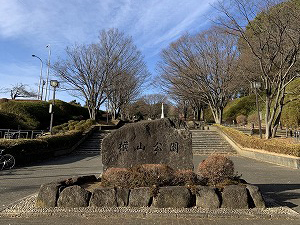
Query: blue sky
x=27, y=26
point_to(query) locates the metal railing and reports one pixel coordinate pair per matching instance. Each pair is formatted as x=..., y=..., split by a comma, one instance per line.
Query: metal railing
x=17, y=134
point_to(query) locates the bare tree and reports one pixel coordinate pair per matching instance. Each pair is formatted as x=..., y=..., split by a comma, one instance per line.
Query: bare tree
x=201, y=67
x=103, y=70
x=19, y=90
x=273, y=39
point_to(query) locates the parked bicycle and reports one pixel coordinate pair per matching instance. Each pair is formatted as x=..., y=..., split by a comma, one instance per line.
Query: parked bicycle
x=7, y=161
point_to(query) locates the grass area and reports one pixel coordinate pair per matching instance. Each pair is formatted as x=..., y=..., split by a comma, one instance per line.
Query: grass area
x=16, y=114
x=276, y=145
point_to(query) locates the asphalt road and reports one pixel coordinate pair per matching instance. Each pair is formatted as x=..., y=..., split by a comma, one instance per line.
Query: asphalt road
x=280, y=183
x=21, y=182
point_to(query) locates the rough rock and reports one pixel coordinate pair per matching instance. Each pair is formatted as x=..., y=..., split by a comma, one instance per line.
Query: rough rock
x=256, y=196
x=140, y=197
x=235, y=197
x=48, y=195
x=148, y=142
x=172, y=197
x=74, y=196
x=103, y=197
x=122, y=195
x=206, y=197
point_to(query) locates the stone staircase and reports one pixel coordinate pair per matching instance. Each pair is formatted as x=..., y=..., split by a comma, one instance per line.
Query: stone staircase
x=208, y=142
x=92, y=145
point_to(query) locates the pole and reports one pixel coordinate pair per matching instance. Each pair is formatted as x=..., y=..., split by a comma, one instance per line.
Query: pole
x=40, y=83
x=51, y=118
x=41, y=76
x=258, y=114
x=47, y=79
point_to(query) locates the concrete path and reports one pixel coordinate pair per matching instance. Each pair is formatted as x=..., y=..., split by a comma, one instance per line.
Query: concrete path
x=280, y=183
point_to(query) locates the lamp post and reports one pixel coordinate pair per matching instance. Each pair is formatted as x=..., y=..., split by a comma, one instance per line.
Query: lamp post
x=256, y=85
x=54, y=84
x=39, y=95
x=48, y=68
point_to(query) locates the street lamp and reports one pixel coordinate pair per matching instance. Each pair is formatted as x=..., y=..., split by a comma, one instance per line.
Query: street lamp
x=256, y=85
x=39, y=95
x=48, y=68
x=54, y=84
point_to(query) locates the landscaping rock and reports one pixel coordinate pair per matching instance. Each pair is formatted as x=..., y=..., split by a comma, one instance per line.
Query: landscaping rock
x=74, y=196
x=48, y=195
x=235, y=197
x=172, y=197
x=148, y=142
x=122, y=195
x=140, y=197
x=206, y=197
x=103, y=197
x=256, y=196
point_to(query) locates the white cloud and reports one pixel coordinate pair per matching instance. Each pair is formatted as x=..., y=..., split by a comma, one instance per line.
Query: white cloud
x=36, y=23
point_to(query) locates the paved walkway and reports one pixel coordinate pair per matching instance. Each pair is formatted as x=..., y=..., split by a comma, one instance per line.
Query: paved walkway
x=280, y=183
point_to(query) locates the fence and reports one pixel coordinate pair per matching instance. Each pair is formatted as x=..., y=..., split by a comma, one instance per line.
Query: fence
x=17, y=134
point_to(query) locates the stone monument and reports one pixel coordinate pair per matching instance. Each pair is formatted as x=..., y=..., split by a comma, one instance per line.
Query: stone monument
x=148, y=142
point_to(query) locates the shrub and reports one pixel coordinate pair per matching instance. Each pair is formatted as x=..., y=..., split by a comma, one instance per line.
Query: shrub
x=117, y=177
x=241, y=119
x=253, y=118
x=184, y=177
x=216, y=169
x=62, y=140
x=146, y=175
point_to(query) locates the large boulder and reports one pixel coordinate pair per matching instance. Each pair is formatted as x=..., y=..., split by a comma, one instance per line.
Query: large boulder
x=103, y=197
x=235, y=197
x=206, y=197
x=256, y=196
x=140, y=197
x=74, y=196
x=148, y=142
x=48, y=194
x=122, y=196
x=172, y=197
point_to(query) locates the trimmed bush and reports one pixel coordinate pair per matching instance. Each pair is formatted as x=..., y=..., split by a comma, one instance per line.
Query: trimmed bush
x=272, y=145
x=146, y=175
x=241, y=119
x=185, y=177
x=117, y=177
x=26, y=150
x=216, y=169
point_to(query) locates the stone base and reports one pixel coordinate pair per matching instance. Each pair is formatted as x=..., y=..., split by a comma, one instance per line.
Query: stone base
x=70, y=194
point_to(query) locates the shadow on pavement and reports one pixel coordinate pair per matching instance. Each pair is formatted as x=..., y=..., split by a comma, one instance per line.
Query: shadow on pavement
x=282, y=193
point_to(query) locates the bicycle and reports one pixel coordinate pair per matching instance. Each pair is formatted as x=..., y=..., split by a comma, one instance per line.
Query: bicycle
x=7, y=161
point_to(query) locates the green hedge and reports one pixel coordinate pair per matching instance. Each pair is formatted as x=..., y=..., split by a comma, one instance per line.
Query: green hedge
x=271, y=145
x=26, y=150
x=71, y=125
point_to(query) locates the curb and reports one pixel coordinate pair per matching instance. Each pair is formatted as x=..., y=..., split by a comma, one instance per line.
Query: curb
x=262, y=155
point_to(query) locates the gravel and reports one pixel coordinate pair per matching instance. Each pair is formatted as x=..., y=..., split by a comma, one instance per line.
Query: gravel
x=26, y=208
